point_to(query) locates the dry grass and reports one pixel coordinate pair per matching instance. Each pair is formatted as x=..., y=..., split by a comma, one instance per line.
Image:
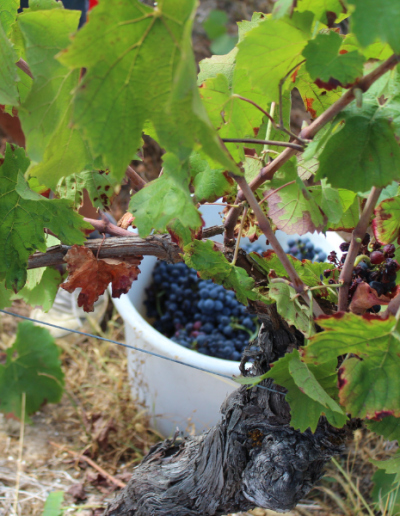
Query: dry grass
x=98, y=419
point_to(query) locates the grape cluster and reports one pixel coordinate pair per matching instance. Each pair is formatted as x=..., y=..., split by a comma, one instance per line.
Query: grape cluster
x=303, y=249
x=198, y=314
x=374, y=265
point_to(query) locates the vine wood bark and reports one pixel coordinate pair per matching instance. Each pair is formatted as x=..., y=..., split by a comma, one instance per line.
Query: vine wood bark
x=251, y=458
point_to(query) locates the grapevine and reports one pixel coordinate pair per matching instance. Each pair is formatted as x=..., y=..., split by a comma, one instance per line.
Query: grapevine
x=327, y=324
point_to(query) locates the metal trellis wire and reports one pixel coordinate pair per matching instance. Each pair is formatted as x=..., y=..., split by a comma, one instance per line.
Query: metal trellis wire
x=135, y=349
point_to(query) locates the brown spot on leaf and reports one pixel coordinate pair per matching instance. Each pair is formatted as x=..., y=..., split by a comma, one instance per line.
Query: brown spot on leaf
x=380, y=414
x=343, y=51
x=309, y=103
x=255, y=130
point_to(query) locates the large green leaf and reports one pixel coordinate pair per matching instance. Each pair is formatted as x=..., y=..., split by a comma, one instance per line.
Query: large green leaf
x=292, y=207
x=309, y=391
x=290, y=309
x=324, y=9
x=283, y=41
x=231, y=116
x=8, y=14
x=309, y=272
x=46, y=113
x=386, y=224
x=99, y=185
x=8, y=71
x=391, y=466
x=32, y=367
x=212, y=264
x=41, y=287
x=23, y=216
x=316, y=100
x=363, y=153
x=373, y=20
x=209, y=184
x=389, y=427
x=165, y=201
x=5, y=296
x=324, y=60
x=369, y=383
x=351, y=212
x=141, y=68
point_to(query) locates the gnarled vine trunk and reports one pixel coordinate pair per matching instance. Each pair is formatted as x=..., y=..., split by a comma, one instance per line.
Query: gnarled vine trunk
x=251, y=458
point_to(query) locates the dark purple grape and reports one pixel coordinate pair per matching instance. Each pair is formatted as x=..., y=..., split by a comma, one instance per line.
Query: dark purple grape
x=377, y=257
x=389, y=250
x=344, y=247
x=327, y=273
x=378, y=287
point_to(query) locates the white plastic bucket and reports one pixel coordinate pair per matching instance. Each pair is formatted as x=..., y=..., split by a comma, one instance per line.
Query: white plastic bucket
x=179, y=396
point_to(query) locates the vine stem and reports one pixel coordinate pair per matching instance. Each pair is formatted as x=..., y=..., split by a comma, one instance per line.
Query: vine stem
x=263, y=142
x=356, y=238
x=239, y=236
x=136, y=181
x=265, y=227
x=267, y=172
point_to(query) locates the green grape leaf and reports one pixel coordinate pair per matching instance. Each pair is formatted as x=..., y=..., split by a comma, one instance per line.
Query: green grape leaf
x=388, y=427
x=329, y=200
x=24, y=214
x=385, y=492
x=212, y=264
x=44, y=5
x=52, y=506
x=231, y=116
x=309, y=272
x=363, y=153
x=6, y=296
x=351, y=212
x=290, y=309
x=386, y=224
x=309, y=391
x=174, y=203
x=324, y=60
x=373, y=20
x=121, y=91
x=41, y=287
x=58, y=149
x=324, y=10
x=8, y=71
x=99, y=185
x=292, y=208
x=8, y=14
x=369, y=384
x=32, y=367
x=225, y=64
x=209, y=184
x=218, y=64
x=391, y=466
x=283, y=41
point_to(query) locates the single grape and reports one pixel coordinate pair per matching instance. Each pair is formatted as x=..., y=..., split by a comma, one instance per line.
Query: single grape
x=378, y=287
x=344, y=247
x=377, y=257
x=327, y=273
x=389, y=250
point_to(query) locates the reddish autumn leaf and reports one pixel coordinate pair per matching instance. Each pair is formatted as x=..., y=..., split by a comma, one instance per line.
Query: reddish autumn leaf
x=366, y=297
x=93, y=276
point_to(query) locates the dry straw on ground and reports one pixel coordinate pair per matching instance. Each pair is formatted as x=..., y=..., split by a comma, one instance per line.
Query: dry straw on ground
x=97, y=421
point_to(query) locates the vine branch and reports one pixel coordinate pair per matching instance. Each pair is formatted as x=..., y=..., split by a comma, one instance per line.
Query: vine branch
x=267, y=172
x=263, y=142
x=356, y=238
x=265, y=227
